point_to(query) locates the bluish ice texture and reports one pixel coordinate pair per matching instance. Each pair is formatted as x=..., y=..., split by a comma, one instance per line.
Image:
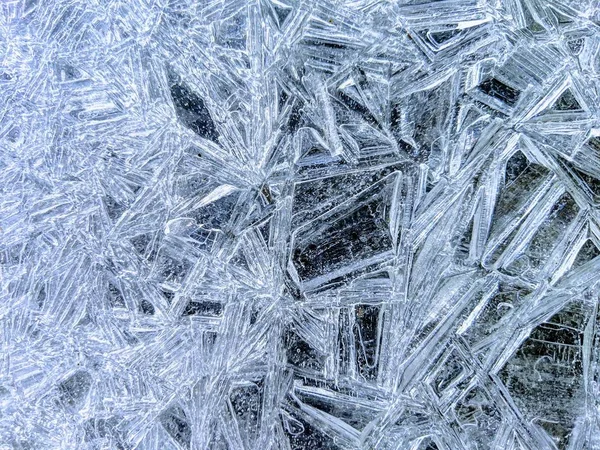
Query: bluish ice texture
x=299, y=224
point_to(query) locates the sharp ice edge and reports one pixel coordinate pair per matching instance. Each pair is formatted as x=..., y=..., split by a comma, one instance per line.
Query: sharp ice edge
x=302, y=225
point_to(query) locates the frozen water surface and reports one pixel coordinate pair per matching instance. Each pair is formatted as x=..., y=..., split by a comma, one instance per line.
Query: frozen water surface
x=299, y=224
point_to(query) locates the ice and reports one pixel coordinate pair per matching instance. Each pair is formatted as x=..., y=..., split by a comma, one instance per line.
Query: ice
x=299, y=224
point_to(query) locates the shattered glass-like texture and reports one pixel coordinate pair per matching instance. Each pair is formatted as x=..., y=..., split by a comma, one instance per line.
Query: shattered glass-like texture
x=299, y=224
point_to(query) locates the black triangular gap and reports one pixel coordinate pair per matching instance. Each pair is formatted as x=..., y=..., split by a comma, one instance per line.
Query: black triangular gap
x=442, y=36
x=515, y=166
x=566, y=102
x=586, y=253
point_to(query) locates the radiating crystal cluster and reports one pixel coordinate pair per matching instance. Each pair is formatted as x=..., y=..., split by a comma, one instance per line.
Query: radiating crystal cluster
x=299, y=224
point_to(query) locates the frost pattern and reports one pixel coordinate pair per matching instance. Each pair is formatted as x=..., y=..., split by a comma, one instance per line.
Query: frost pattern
x=299, y=224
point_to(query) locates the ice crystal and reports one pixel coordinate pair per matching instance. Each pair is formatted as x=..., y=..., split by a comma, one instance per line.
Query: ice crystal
x=299, y=224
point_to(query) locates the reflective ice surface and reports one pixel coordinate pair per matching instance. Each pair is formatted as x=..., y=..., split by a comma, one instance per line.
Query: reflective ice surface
x=299, y=224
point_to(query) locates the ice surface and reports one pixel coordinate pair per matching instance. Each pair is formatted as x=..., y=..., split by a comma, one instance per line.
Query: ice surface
x=299, y=224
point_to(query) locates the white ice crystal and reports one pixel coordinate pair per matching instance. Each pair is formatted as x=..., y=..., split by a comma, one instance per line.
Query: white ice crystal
x=299, y=224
